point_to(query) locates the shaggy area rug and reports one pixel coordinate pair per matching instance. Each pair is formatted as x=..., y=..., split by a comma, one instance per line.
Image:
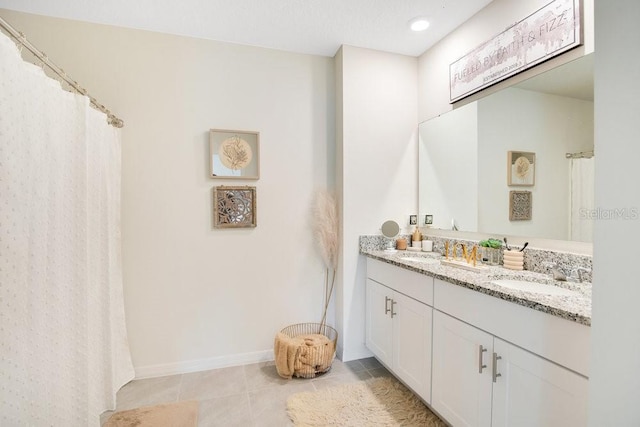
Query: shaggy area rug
x=374, y=402
x=179, y=414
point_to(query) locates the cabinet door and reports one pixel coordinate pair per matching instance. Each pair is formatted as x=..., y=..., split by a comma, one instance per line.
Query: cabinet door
x=379, y=322
x=531, y=391
x=461, y=388
x=412, y=322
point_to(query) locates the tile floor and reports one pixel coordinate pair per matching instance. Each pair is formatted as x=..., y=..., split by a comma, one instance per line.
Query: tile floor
x=244, y=396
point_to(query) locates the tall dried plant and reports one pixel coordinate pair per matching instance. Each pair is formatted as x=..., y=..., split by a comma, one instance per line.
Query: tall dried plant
x=325, y=233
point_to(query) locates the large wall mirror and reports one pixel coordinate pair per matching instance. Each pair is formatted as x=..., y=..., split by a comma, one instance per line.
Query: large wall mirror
x=464, y=168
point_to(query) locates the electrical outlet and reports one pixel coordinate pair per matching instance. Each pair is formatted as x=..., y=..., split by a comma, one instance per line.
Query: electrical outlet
x=413, y=219
x=428, y=219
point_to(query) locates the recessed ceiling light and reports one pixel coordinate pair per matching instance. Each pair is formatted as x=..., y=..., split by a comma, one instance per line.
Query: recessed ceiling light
x=419, y=24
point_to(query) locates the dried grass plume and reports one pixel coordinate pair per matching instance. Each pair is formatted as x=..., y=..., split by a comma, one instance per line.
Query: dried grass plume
x=325, y=227
x=325, y=233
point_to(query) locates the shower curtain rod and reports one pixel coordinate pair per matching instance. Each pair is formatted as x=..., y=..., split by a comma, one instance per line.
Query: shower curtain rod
x=580, y=155
x=20, y=38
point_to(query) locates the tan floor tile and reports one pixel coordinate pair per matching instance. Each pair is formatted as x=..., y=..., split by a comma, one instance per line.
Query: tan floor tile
x=263, y=375
x=380, y=372
x=354, y=366
x=245, y=396
x=370, y=363
x=150, y=391
x=211, y=384
x=228, y=411
x=269, y=405
x=339, y=379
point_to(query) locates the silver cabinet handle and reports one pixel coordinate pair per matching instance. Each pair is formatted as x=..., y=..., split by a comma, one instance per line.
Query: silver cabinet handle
x=480, y=365
x=495, y=367
x=386, y=305
x=393, y=313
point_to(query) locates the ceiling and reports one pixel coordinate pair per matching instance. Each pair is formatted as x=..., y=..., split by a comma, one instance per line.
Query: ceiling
x=316, y=27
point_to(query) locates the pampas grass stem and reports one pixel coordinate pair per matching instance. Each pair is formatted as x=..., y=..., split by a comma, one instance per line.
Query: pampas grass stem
x=325, y=232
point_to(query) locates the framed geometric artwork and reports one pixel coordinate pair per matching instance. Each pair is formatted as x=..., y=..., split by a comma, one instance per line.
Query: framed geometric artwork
x=520, y=205
x=234, y=154
x=521, y=168
x=234, y=207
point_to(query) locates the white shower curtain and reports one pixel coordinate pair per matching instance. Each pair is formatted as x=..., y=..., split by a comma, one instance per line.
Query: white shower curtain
x=582, y=199
x=63, y=344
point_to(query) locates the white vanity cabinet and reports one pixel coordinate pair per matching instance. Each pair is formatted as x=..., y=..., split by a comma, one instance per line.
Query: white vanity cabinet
x=379, y=336
x=461, y=372
x=398, y=323
x=478, y=360
x=481, y=378
x=533, y=391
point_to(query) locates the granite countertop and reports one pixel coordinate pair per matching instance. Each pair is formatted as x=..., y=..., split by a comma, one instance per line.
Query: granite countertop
x=575, y=307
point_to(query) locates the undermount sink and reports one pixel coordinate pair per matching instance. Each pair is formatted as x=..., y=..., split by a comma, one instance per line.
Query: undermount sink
x=423, y=260
x=534, y=287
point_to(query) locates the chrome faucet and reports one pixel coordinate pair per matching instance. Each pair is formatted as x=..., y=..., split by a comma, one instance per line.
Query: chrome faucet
x=580, y=271
x=556, y=271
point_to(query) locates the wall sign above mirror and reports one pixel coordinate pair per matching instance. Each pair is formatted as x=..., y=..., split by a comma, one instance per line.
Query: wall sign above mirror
x=551, y=30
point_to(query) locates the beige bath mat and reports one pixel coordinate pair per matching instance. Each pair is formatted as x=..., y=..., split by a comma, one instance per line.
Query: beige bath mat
x=179, y=414
x=375, y=402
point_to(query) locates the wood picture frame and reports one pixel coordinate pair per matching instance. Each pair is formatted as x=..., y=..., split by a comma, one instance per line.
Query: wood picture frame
x=234, y=207
x=234, y=154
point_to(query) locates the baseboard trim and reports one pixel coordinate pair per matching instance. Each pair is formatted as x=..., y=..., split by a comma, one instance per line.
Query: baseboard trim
x=187, y=366
x=360, y=352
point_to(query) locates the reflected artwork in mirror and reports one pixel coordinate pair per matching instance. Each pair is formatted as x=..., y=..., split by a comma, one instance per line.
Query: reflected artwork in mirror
x=462, y=158
x=521, y=168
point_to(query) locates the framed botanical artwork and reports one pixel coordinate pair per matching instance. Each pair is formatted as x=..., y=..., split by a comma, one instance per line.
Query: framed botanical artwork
x=521, y=168
x=520, y=205
x=234, y=154
x=234, y=207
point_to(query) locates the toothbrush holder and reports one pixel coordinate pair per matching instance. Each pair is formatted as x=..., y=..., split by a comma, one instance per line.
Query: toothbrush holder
x=513, y=260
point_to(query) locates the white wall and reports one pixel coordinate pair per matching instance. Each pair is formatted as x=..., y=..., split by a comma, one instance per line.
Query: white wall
x=615, y=344
x=510, y=120
x=448, y=175
x=433, y=68
x=377, y=167
x=198, y=297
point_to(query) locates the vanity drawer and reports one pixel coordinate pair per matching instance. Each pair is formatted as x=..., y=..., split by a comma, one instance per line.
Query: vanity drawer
x=414, y=285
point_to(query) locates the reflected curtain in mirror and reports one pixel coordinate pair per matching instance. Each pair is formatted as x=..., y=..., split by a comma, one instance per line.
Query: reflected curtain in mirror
x=582, y=198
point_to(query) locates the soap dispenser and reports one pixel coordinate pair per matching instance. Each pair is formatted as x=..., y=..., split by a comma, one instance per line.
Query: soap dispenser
x=416, y=239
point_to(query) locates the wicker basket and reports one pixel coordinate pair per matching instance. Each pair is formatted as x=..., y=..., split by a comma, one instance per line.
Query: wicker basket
x=316, y=355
